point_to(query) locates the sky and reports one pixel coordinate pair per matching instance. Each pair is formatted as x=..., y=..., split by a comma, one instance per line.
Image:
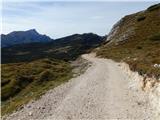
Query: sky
x=62, y=18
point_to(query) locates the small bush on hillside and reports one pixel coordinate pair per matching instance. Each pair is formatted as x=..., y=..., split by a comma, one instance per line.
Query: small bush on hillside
x=154, y=7
x=141, y=18
x=139, y=47
x=23, y=80
x=9, y=90
x=155, y=37
x=46, y=76
x=5, y=82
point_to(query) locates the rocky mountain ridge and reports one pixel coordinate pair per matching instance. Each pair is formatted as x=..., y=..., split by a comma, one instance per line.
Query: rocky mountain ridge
x=23, y=37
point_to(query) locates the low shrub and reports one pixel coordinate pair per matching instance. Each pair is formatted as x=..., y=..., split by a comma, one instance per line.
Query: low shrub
x=9, y=90
x=23, y=80
x=46, y=76
x=4, y=82
x=139, y=47
x=155, y=37
x=141, y=18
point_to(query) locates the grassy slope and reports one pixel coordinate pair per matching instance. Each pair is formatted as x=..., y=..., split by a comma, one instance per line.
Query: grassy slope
x=22, y=82
x=141, y=50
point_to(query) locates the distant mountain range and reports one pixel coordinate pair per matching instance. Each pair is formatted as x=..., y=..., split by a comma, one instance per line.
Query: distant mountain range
x=23, y=37
x=66, y=48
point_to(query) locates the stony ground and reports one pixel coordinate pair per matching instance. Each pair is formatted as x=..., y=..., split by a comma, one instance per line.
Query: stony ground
x=102, y=92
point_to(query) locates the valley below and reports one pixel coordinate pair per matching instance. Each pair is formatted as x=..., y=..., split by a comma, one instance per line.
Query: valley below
x=103, y=91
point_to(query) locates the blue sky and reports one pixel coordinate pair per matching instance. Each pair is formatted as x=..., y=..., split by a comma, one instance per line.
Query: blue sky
x=59, y=19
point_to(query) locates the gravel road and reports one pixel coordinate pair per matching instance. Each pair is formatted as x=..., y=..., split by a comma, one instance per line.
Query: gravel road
x=103, y=92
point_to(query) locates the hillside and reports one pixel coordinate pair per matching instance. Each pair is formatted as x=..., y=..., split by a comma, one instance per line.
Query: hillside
x=67, y=48
x=135, y=39
x=23, y=37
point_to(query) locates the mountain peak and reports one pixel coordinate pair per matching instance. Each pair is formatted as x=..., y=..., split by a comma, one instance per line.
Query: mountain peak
x=32, y=30
x=22, y=37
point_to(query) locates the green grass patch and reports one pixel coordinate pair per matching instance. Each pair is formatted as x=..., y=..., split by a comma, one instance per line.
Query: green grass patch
x=22, y=82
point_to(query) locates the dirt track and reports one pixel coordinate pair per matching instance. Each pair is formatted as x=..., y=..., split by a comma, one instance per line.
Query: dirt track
x=102, y=92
